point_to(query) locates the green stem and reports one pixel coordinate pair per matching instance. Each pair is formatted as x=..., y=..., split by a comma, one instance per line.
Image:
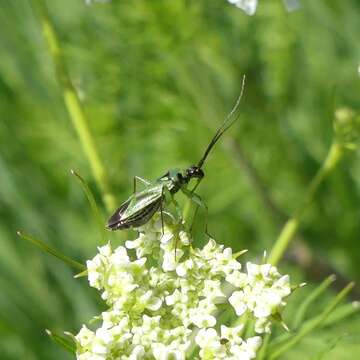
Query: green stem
x=287, y=233
x=73, y=105
x=312, y=324
x=264, y=346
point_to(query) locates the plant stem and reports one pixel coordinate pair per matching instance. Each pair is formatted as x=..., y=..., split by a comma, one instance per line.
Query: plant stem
x=287, y=233
x=73, y=105
x=262, y=352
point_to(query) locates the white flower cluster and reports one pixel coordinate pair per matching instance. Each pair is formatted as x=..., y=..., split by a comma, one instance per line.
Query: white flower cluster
x=167, y=300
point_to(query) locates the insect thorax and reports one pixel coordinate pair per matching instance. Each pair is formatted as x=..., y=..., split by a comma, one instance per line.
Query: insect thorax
x=173, y=180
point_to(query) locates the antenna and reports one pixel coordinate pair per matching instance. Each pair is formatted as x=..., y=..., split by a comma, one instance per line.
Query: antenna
x=230, y=119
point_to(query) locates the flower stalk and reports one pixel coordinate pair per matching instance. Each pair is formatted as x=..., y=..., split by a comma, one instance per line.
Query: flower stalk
x=290, y=228
x=346, y=137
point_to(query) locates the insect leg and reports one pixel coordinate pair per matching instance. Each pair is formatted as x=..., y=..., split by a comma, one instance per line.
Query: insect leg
x=139, y=179
x=193, y=219
x=196, y=199
x=170, y=197
x=161, y=210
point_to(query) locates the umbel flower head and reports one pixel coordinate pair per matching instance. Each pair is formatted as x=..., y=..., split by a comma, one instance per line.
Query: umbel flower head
x=164, y=299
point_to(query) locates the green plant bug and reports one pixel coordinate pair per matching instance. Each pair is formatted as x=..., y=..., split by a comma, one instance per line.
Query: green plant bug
x=139, y=208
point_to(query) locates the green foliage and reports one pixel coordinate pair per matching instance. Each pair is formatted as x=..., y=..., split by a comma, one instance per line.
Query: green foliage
x=156, y=78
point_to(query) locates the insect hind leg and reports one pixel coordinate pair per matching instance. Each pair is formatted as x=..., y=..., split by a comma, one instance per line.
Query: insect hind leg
x=197, y=200
x=169, y=197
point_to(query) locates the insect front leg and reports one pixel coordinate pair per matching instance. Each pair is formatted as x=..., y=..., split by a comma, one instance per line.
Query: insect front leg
x=139, y=179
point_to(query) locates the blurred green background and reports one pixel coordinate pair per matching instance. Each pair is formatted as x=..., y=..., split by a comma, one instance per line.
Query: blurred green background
x=156, y=78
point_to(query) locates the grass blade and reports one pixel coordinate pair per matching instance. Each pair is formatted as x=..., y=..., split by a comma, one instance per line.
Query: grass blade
x=47, y=249
x=64, y=342
x=93, y=205
x=300, y=315
x=312, y=324
x=342, y=312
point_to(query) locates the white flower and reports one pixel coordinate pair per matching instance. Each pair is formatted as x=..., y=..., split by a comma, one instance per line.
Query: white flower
x=262, y=325
x=237, y=300
x=184, y=267
x=210, y=345
x=163, y=352
x=144, y=244
x=137, y=353
x=263, y=295
x=223, y=261
x=212, y=290
x=85, y=336
x=247, y=349
x=265, y=302
x=232, y=334
x=166, y=237
x=90, y=356
x=171, y=259
x=184, y=237
x=202, y=315
x=249, y=6
x=206, y=337
x=237, y=278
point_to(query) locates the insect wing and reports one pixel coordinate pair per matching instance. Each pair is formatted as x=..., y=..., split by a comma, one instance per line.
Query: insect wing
x=142, y=200
x=115, y=219
x=138, y=209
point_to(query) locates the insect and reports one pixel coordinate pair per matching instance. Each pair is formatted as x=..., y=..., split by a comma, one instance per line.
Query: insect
x=139, y=208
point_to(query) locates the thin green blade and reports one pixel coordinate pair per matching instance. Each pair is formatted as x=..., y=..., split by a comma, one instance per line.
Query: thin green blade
x=47, y=249
x=64, y=342
x=93, y=205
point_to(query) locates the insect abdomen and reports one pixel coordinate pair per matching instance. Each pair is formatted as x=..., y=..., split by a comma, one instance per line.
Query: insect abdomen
x=139, y=218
